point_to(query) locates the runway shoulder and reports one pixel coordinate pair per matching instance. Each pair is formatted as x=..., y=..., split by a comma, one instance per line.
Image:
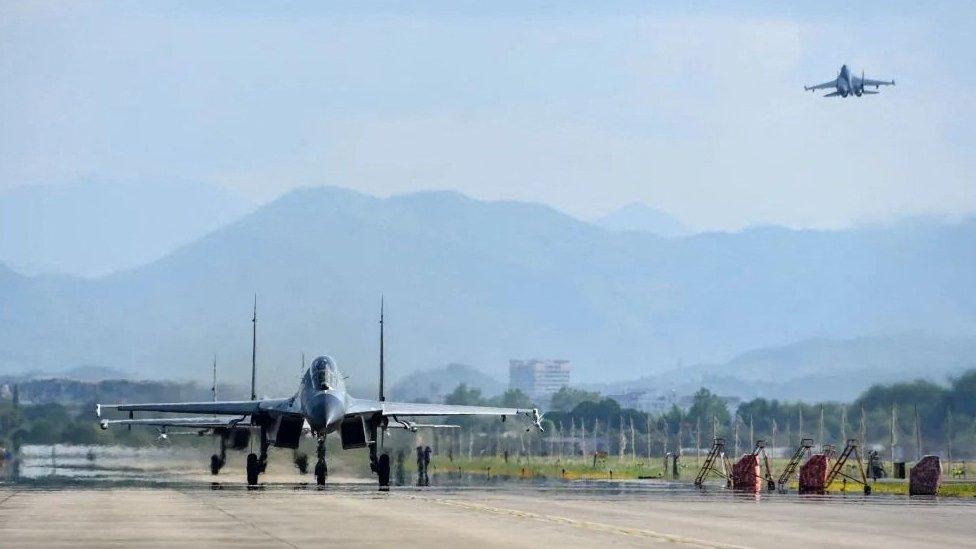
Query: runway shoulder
x=356, y=516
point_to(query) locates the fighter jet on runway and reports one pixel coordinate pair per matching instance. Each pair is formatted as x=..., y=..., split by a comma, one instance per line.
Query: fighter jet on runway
x=320, y=406
x=846, y=84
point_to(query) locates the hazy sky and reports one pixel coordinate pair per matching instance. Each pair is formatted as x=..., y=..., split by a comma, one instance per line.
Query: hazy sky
x=695, y=109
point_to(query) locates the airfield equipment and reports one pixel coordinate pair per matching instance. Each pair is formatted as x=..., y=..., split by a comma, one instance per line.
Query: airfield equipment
x=837, y=470
x=791, y=467
x=746, y=476
x=716, y=454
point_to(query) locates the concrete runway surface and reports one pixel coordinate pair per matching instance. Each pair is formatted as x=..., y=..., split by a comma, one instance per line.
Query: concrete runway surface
x=351, y=514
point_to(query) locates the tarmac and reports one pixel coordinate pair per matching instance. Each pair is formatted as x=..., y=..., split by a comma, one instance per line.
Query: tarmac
x=164, y=497
x=505, y=514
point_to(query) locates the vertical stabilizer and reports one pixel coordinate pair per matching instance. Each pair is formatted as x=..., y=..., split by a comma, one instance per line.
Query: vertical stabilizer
x=254, y=348
x=382, y=365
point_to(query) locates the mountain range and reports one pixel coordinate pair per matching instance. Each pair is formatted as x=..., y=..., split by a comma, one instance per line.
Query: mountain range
x=816, y=369
x=640, y=217
x=479, y=282
x=94, y=228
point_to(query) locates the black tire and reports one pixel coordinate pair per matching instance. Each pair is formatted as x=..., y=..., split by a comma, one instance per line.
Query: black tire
x=321, y=471
x=215, y=464
x=253, y=469
x=383, y=470
x=301, y=461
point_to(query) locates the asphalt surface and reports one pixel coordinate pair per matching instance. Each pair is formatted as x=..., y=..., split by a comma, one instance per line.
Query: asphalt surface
x=124, y=497
x=347, y=513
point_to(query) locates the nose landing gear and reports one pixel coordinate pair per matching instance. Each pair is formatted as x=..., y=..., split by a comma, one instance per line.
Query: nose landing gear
x=321, y=469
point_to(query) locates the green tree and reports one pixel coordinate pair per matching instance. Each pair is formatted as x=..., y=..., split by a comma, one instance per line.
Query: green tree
x=11, y=421
x=512, y=398
x=962, y=394
x=707, y=406
x=465, y=396
x=42, y=431
x=567, y=399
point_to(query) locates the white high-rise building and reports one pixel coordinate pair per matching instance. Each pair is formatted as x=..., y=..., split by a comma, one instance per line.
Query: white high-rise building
x=538, y=378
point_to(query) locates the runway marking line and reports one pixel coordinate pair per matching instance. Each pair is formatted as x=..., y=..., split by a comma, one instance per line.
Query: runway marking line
x=6, y=499
x=584, y=524
x=238, y=519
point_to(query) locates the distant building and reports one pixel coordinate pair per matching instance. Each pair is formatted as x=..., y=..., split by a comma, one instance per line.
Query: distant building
x=645, y=400
x=637, y=400
x=538, y=378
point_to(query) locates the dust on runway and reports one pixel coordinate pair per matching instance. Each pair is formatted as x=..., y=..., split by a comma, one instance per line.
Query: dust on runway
x=505, y=515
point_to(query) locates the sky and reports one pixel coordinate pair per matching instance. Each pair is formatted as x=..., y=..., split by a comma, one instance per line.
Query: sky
x=697, y=109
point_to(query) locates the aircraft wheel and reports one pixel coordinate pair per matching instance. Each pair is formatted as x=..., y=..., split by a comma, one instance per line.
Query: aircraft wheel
x=215, y=464
x=321, y=471
x=301, y=461
x=383, y=470
x=253, y=469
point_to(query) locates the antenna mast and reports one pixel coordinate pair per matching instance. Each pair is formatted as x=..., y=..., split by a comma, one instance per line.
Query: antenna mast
x=254, y=347
x=382, y=366
x=213, y=389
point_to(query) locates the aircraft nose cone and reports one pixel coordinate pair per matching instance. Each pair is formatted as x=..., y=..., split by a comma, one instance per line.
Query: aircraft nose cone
x=327, y=409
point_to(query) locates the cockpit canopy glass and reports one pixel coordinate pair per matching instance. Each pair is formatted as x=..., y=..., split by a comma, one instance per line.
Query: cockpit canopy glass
x=324, y=373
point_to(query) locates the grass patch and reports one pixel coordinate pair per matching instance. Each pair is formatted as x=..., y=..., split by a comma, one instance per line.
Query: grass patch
x=575, y=468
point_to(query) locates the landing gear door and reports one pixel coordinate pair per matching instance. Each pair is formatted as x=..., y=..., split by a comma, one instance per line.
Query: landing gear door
x=353, y=432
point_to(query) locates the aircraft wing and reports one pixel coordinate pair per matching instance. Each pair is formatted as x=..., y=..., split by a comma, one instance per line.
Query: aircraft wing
x=186, y=422
x=412, y=409
x=876, y=83
x=229, y=407
x=825, y=85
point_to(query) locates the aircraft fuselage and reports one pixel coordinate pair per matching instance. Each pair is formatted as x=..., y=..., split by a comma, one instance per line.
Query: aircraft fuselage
x=323, y=396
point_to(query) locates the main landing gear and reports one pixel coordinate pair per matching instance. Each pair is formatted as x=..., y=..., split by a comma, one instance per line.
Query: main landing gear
x=301, y=462
x=256, y=464
x=321, y=470
x=379, y=464
x=383, y=471
x=253, y=469
x=217, y=461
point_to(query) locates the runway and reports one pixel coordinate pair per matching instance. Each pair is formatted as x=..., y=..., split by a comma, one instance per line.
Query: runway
x=507, y=514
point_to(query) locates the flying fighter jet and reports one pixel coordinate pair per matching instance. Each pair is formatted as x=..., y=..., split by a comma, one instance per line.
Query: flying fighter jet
x=320, y=406
x=846, y=84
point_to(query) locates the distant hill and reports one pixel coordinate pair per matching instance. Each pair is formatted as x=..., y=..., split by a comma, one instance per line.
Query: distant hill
x=641, y=217
x=819, y=369
x=479, y=282
x=432, y=385
x=94, y=228
x=94, y=373
x=75, y=392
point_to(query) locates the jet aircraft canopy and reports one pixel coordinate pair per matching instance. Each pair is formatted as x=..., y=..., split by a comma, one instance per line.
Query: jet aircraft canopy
x=324, y=373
